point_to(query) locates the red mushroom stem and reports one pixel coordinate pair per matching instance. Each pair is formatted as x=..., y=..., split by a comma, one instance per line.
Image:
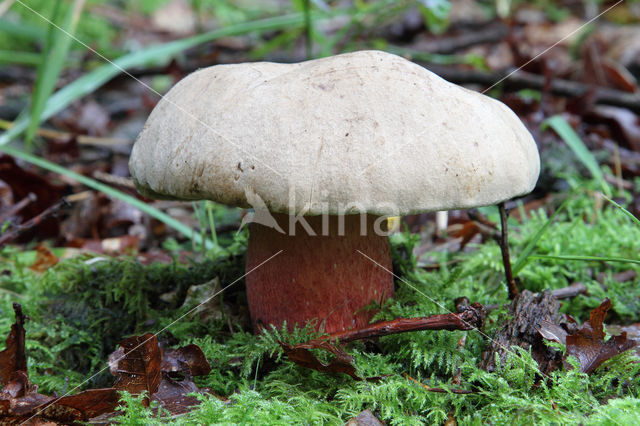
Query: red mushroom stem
x=318, y=276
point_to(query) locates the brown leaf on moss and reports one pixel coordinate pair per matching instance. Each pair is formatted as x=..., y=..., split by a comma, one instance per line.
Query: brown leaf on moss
x=188, y=359
x=178, y=368
x=137, y=365
x=45, y=259
x=20, y=400
x=12, y=358
x=301, y=355
x=588, y=344
x=173, y=395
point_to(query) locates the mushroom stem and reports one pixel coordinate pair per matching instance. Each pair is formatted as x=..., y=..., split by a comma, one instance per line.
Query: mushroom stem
x=504, y=247
x=318, y=276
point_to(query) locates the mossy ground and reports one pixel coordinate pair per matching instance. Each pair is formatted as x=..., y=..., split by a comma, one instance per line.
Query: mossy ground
x=80, y=309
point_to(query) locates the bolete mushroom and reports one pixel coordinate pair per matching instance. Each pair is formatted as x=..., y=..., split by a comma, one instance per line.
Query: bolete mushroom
x=330, y=147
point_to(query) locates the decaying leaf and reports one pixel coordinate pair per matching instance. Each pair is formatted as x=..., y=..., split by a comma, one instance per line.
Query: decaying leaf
x=173, y=395
x=138, y=364
x=553, y=332
x=20, y=400
x=45, y=259
x=13, y=358
x=588, y=344
x=301, y=355
x=189, y=359
x=23, y=183
x=178, y=368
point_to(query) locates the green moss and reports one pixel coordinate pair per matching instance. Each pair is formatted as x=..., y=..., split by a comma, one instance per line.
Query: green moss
x=81, y=308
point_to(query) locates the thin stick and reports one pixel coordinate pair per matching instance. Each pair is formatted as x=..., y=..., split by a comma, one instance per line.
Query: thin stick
x=16, y=231
x=11, y=211
x=526, y=80
x=471, y=317
x=504, y=247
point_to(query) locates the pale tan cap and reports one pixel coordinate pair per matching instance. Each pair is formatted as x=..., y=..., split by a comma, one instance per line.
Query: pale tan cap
x=360, y=132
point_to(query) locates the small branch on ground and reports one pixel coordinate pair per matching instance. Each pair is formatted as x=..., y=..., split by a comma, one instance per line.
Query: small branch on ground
x=568, y=292
x=469, y=317
x=14, y=209
x=452, y=44
x=524, y=80
x=504, y=248
x=18, y=229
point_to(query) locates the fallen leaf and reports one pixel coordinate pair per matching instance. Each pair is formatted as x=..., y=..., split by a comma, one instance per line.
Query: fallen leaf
x=20, y=400
x=22, y=184
x=45, y=259
x=173, y=395
x=188, y=359
x=13, y=358
x=137, y=364
x=553, y=332
x=588, y=344
x=301, y=355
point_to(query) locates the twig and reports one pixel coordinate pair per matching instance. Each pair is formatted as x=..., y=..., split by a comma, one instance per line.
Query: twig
x=113, y=179
x=525, y=80
x=504, y=248
x=11, y=211
x=18, y=229
x=82, y=139
x=471, y=317
x=567, y=292
x=447, y=45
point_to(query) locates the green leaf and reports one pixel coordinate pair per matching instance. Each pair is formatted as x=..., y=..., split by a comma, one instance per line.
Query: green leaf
x=22, y=30
x=584, y=258
x=21, y=58
x=625, y=211
x=571, y=138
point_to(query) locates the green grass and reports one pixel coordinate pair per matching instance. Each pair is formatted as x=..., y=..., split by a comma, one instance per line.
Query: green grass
x=62, y=26
x=67, y=337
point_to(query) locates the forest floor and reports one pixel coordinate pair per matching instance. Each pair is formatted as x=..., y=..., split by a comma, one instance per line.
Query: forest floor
x=101, y=290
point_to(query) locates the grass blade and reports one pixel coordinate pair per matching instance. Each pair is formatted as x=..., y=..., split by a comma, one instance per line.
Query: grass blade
x=584, y=258
x=99, y=186
x=154, y=55
x=22, y=58
x=52, y=63
x=22, y=30
x=526, y=252
x=625, y=211
x=571, y=138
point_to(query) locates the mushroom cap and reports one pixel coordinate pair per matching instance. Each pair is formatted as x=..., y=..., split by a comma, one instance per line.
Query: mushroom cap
x=359, y=132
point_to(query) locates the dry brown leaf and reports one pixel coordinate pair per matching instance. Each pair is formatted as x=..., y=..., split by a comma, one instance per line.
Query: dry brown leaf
x=588, y=344
x=137, y=364
x=13, y=358
x=45, y=259
x=301, y=355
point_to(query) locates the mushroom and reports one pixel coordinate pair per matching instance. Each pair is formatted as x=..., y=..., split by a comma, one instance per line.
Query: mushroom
x=325, y=150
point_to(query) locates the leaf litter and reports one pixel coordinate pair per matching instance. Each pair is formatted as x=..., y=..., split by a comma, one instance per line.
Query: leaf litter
x=140, y=367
